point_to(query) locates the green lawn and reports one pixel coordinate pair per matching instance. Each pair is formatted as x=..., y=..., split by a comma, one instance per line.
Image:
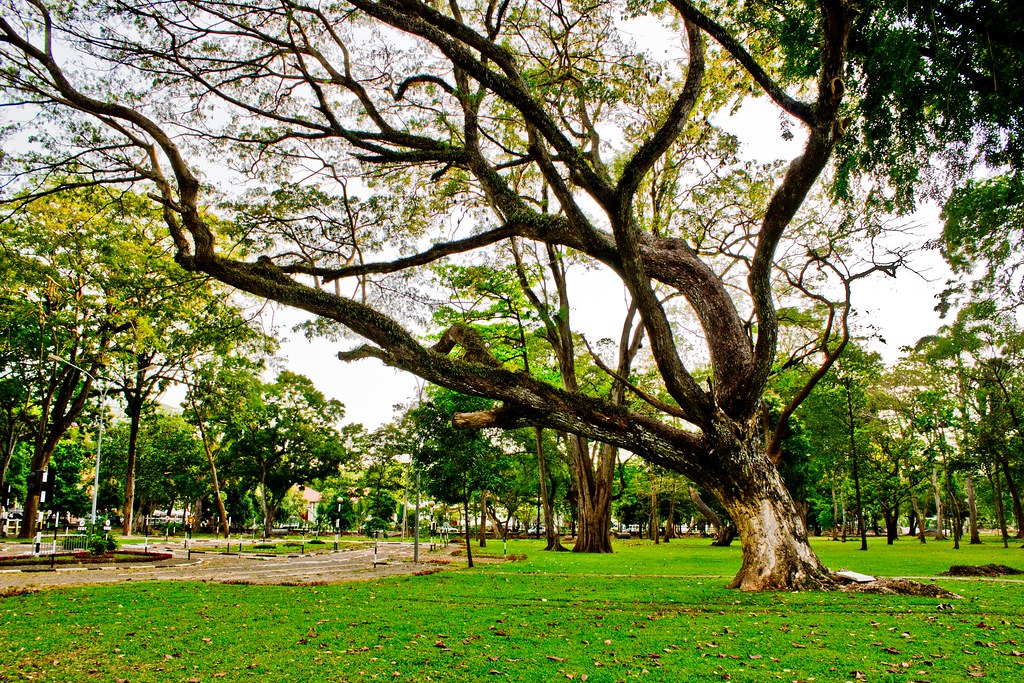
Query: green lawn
x=647, y=612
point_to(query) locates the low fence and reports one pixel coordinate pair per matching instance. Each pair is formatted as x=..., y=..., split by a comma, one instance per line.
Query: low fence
x=73, y=541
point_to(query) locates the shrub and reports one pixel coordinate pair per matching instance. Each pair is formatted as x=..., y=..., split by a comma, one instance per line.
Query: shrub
x=99, y=545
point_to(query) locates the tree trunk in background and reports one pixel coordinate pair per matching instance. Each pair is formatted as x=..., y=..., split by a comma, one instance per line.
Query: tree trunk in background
x=937, y=492
x=842, y=504
x=469, y=546
x=920, y=520
x=1011, y=487
x=861, y=526
x=670, y=521
x=594, y=491
x=221, y=510
x=128, y=511
x=1000, y=512
x=972, y=511
x=892, y=519
x=483, y=520
x=724, y=533
x=268, y=516
x=835, y=514
x=551, y=533
x=956, y=521
x=655, y=534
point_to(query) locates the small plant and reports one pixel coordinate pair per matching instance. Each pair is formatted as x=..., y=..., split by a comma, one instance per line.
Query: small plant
x=98, y=545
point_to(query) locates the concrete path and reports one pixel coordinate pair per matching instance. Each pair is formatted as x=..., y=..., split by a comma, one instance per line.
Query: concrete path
x=208, y=563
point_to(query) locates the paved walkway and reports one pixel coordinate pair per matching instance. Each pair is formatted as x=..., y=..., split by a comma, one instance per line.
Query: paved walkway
x=212, y=564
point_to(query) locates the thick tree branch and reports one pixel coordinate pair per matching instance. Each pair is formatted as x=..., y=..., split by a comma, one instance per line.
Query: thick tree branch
x=801, y=110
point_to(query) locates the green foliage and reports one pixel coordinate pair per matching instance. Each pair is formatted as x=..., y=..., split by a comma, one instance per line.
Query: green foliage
x=383, y=475
x=984, y=228
x=70, y=460
x=937, y=78
x=170, y=464
x=98, y=544
x=281, y=434
x=455, y=462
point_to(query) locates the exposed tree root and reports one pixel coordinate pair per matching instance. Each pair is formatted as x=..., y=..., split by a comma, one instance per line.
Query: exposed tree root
x=883, y=586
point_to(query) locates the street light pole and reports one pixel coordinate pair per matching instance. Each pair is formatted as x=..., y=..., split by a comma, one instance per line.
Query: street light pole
x=99, y=449
x=99, y=437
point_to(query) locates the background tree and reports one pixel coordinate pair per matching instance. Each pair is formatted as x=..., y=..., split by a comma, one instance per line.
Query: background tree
x=286, y=433
x=382, y=474
x=62, y=288
x=170, y=464
x=456, y=463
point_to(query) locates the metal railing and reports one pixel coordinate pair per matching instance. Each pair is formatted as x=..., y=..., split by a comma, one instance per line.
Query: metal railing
x=73, y=541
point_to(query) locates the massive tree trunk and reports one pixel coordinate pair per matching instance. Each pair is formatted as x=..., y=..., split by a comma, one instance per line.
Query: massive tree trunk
x=594, y=497
x=776, y=551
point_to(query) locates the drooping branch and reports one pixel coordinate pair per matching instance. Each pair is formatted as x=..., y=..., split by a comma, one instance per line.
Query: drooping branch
x=666, y=408
x=829, y=348
x=428, y=256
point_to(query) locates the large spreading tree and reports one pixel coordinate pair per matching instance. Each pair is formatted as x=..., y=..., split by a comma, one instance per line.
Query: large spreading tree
x=473, y=124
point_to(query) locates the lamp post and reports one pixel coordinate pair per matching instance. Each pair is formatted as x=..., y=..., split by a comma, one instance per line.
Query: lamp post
x=99, y=436
x=337, y=524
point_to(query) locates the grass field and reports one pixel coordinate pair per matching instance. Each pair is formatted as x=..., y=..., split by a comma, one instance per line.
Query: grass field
x=657, y=613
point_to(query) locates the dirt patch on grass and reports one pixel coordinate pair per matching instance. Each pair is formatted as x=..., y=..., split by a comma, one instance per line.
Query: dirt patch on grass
x=987, y=570
x=899, y=587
